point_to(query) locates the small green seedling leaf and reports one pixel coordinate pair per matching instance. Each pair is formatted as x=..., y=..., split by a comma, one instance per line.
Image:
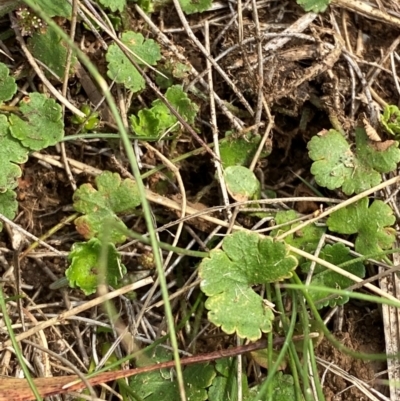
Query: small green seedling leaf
x=160, y=385
x=113, y=5
x=335, y=254
x=11, y=154
x=372, y=224
x=146, y=124
x=195, y=6
x=101, y=205
x=84, y=261
x=241, y=183
x=8, y=205
x=8, y=87
x=91, y=121
x=316, y=6
x=390, y=119
x=229, y=274
x=152, y=123
x=239, y=151
x=51, y=50
x=121, y=69
x=336, y=165
x=41, y=124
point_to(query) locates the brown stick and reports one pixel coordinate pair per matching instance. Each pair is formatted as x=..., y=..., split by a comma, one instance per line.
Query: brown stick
x=19, y=390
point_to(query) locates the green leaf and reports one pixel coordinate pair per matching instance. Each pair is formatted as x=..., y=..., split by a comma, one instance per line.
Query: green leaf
x=335, y=164
x=179, y=70
x=158, y=385
x=51, y=50
x=145, y=124
x=229, y=274
x=41, y=125
x=260, y=357
x=120, y=68
x=372, y=224
x=316, y=6
x=8, y=87
x=390, y=119
x=152, y=123
x=113, y=5
x=181, y=103
x=91, y=120
x=195, y=6
x=101, y=205
x=8, y=205
x=172, y=69
x=241, y=183
x=83, y=269
x=11, y=152
x=306, y=239
x=224, y=386
x=60, y=8
x=335, y=254
x=146, y=5
x=239, y=151
x=283, y=389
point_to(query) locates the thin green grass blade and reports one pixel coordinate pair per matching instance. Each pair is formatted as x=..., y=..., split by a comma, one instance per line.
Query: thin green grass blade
x=16, y=347
x=288, y=341
x=327, y=333
x=136, y=172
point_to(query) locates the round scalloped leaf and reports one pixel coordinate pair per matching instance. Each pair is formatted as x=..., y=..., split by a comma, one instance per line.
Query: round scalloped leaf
x=112, y=193
x=333, y=159
x=8, y=205
x=8, y=87
x=121, y=69
x=85, y=259
x=373, y=158
x=241, y=183
x=336, y=165
x=112, y=196
x=324, y=277
x=372, y=224
x=41, y=125
x=246, y=259
x=240, y=310
x=11, y=152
